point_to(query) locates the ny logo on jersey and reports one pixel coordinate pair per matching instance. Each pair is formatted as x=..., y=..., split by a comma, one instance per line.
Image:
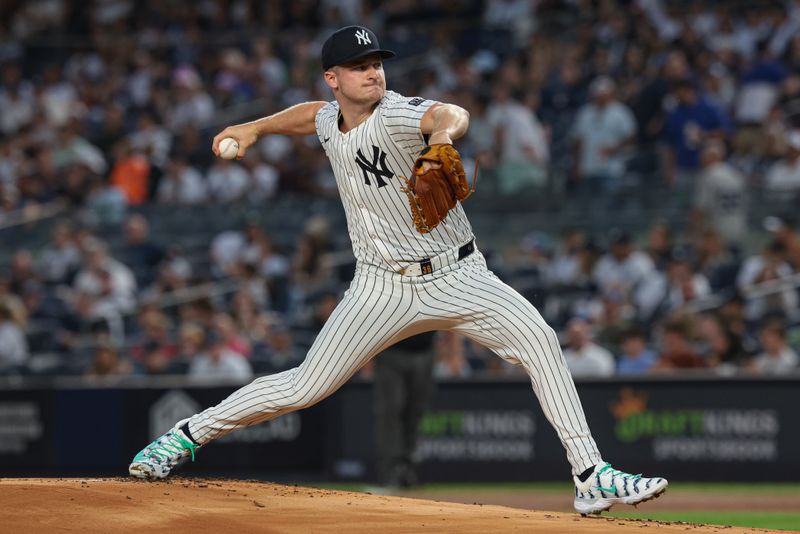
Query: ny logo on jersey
x=363, y=37
x=377, y=166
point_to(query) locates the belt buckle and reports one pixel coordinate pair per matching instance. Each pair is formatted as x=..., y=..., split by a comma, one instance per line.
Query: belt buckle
x=412, y=270
x=418, y=268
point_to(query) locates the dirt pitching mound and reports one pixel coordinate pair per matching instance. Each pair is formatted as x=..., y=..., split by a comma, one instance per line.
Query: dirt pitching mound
x=230, y=506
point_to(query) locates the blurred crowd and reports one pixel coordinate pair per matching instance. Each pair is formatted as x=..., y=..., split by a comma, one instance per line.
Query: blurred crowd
x=110, y=105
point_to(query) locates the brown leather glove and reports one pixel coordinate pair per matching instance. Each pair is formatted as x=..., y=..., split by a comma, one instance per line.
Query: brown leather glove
x=433, y=193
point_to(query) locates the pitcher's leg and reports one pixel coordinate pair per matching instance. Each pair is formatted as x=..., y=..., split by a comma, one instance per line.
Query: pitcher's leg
x=372, y=315
x=499, y=318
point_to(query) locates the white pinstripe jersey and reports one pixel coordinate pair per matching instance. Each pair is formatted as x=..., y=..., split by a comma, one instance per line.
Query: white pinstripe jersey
x=367, y=162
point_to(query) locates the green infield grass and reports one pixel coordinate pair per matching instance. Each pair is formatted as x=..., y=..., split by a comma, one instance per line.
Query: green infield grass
x=744, y=518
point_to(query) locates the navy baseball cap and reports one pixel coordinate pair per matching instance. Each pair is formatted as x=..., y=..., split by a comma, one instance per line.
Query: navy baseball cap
x=349, y=44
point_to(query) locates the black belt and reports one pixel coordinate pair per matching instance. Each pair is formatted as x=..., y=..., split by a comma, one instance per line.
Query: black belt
x=426, y=266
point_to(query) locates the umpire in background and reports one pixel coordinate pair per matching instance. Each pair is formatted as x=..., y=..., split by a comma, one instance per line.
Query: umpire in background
x=403, y=383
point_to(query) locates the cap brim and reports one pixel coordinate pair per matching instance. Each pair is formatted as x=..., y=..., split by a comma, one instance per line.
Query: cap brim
x=385, y=54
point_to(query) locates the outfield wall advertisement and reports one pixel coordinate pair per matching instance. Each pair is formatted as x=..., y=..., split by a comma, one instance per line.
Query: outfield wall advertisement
x=493, y=431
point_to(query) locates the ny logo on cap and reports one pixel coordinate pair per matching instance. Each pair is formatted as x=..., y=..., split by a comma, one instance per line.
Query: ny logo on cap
x=363, y=37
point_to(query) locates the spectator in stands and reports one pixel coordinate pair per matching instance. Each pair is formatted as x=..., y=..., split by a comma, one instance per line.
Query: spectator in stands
x=154, y=350
x=623, y=268
x=191, y=339
x=676, y=349
x=13, y=346
x=12, y=301
x=104, y=288
x=664, y=294
x=769, y=265
x=636, y=357
x=140, y=252
x=193, y=106
x=785, y=232
x=280, y=349
x=614, y=317
x=584, y=357
x=61, y=258
x=131, y=173
x=310, y=270
x=218, y=362
x=182, y=184
x=107, y=363
x=720, y=199
x=225, y=328
x=228, y=181
x=225, y=251
x=650, y=103
x=244, y=311
x=565, y=269
x=782, y=181
x=174, y=273
x=23, y=271
x=105, y=204
x=265, y=178
x=603, y=130
x=759, y=86
x=660, y=244
x=72, y=149
x=723, y=348
x=687, y=127
x=715, y=261
x=17, y=100
x=524, y=150
x=777, y=357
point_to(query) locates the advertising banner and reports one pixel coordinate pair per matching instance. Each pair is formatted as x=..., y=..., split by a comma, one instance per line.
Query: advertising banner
x=702, y=430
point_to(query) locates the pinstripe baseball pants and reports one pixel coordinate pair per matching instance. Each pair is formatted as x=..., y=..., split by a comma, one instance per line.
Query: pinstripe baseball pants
x=381, y=308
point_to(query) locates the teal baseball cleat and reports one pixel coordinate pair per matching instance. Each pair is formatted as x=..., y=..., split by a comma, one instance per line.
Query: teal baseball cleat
x=607, y=486
x=159, y=458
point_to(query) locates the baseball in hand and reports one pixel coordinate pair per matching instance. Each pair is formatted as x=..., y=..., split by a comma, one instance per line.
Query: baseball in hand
x=228, y=148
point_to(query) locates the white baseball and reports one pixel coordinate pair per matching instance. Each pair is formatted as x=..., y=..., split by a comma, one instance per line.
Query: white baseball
x=228, y=148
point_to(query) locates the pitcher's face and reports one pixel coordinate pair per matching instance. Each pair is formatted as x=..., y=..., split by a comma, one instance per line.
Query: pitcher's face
x=360, y=82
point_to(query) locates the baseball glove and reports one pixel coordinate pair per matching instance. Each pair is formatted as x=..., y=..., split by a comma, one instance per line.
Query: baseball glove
x=433, y=193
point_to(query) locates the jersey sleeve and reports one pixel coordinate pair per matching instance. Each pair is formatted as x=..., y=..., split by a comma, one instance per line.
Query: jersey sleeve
x=402, y=117
x=324, y=120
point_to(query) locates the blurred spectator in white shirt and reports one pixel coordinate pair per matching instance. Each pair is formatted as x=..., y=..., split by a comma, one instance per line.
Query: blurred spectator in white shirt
x=584, y=357
x=784, y=175
x=182, y=184
x=104, y=288
x=58, y=98
x=61, y=258
x=151, y=138
x=194, y=105
x=265, y=177
x=228, y=181
x=603, y=129
x=777, y=357
x=524, y=150
x=218, y=362
x=720, y=199
x=623, y=268
x=17, y=100
x=13, y=346
x=664, y=293
x=768, y=265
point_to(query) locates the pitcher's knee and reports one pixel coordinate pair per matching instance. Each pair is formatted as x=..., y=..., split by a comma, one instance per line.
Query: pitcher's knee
x=306, y=395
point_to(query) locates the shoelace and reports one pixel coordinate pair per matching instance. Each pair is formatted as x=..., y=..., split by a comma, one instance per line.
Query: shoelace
x=172, y=444
x=614, y=473
x=617, y=472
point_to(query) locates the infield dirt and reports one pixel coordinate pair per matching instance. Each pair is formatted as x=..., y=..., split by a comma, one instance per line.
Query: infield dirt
x=39, y=505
